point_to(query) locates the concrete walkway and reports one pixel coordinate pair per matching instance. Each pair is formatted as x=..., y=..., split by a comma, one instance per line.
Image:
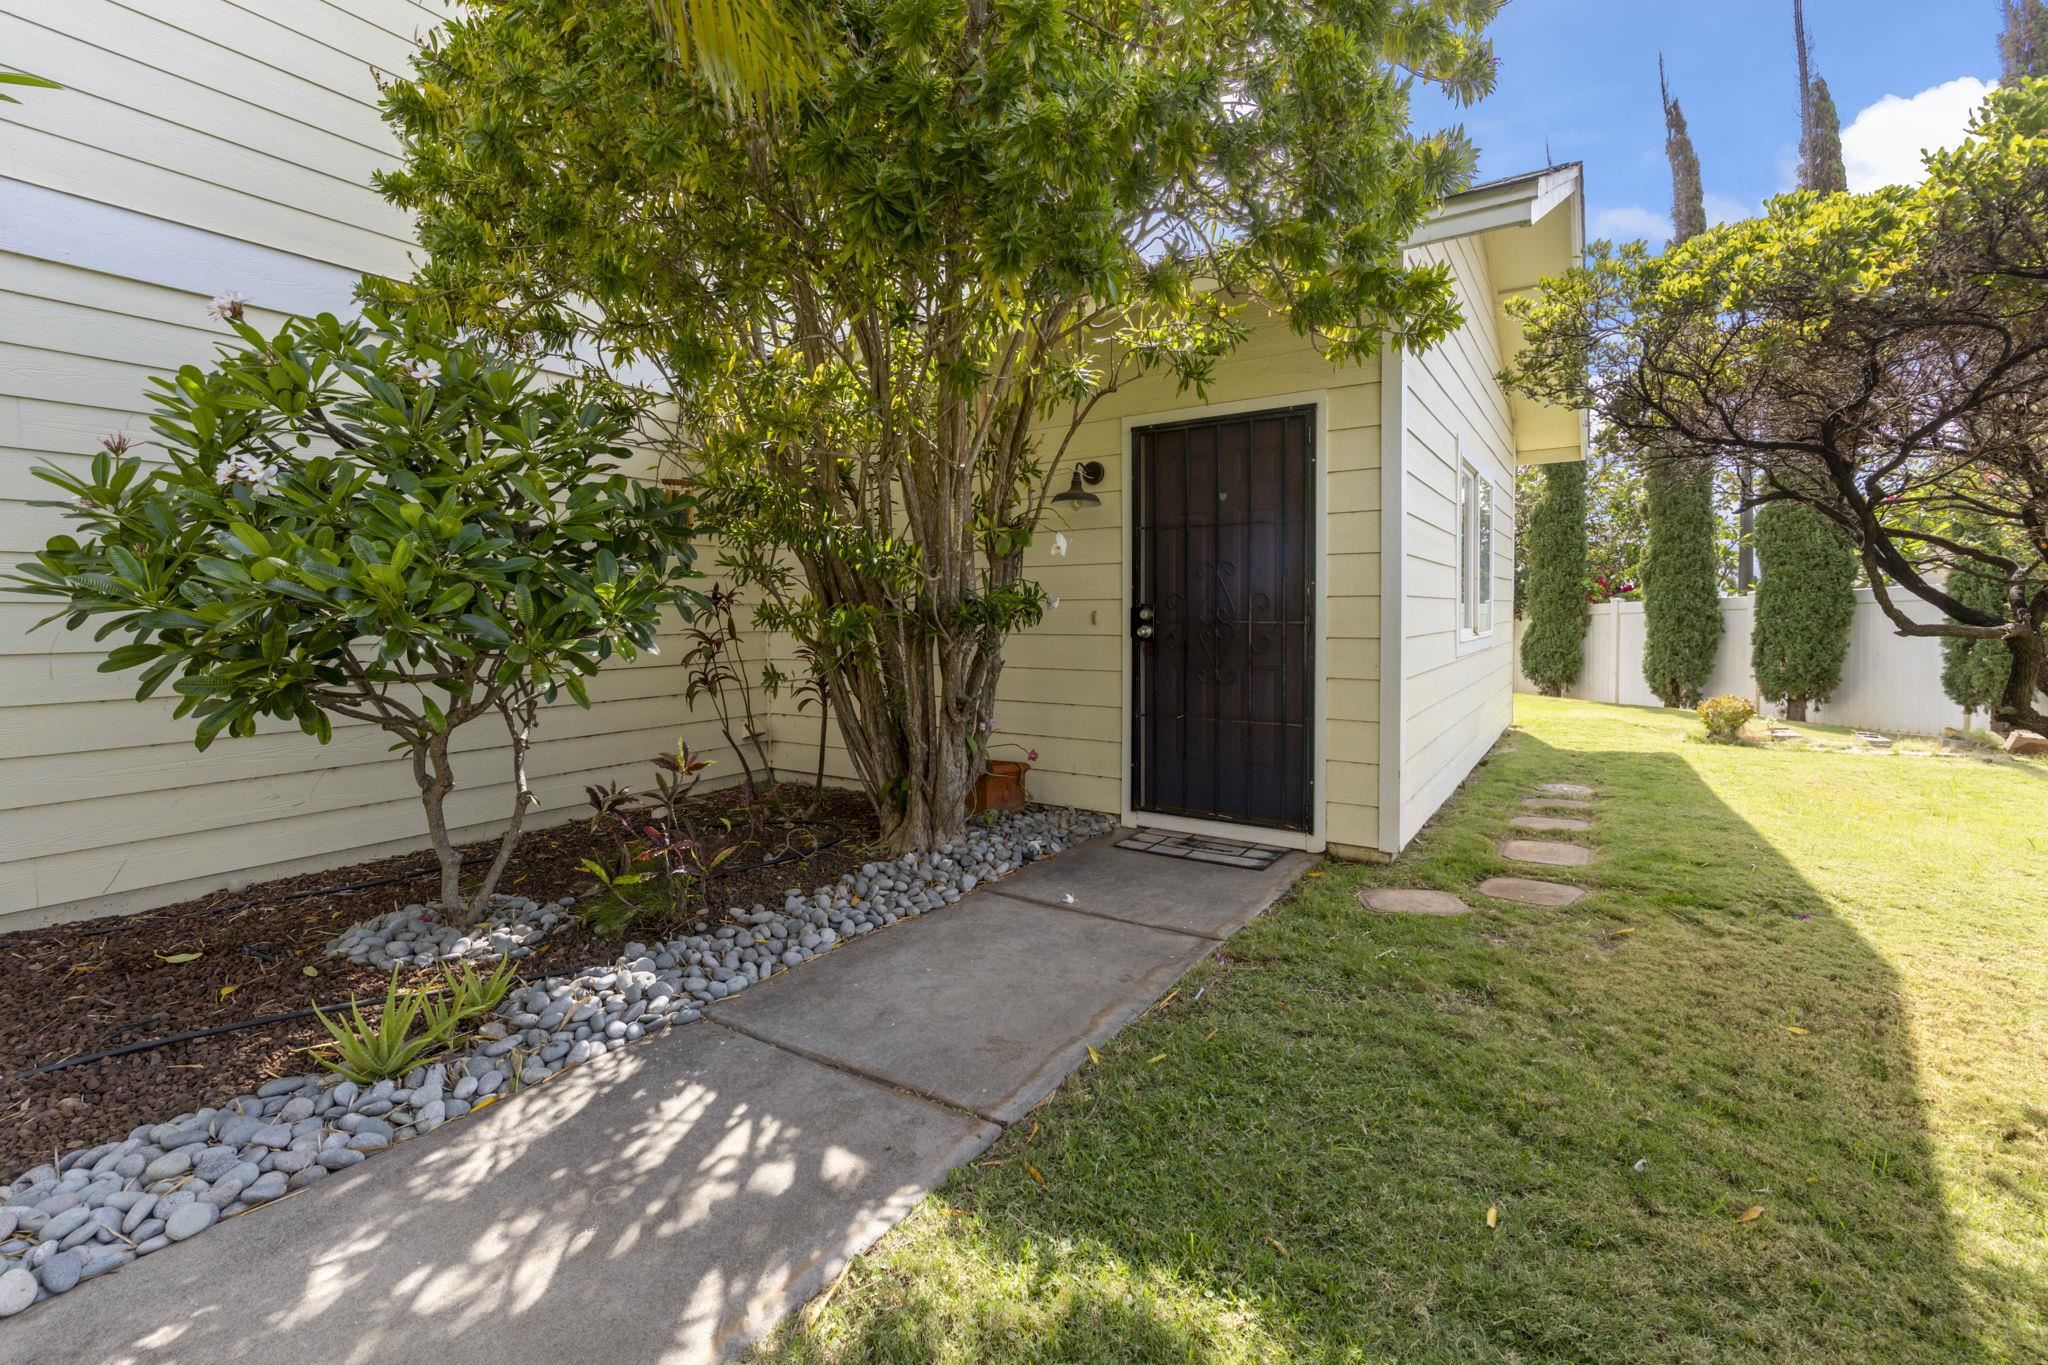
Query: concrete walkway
x=671, y=1202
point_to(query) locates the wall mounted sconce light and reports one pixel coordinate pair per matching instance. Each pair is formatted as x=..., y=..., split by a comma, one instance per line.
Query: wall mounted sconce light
x=1087, y=472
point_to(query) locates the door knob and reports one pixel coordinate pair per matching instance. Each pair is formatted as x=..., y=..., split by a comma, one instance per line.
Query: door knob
x=1143, y=632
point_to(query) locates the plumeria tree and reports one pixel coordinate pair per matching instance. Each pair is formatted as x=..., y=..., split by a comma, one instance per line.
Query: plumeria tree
x=375, y=520
x=1880, y=359
x=884, y=306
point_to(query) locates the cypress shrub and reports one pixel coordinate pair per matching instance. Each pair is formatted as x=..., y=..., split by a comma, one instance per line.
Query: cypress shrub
x=1681, y=582
x=1553, y=645
x=1974, y=672
x=1805, y=604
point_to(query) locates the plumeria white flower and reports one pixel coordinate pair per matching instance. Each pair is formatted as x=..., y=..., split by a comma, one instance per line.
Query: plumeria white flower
x=1059, y=542
x=1054, y=604
x=228, y=305
x=242, y=467
x=422, y=371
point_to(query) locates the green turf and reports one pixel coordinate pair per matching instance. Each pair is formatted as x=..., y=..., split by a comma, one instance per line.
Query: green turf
x=1830, y=1002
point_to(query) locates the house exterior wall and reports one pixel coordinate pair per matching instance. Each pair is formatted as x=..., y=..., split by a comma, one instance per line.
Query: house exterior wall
x=197, y=147
x=1456, y=696
x=205, y=145
x=1066, y=685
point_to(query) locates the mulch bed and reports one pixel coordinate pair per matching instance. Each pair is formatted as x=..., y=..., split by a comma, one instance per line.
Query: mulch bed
x=87, y=987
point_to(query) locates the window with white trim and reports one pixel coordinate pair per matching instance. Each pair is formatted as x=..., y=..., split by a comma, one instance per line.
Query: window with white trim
x=1475, y=554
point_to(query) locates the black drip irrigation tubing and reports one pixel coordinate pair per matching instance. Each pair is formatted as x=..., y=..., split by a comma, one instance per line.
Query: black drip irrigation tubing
x=292, y=1016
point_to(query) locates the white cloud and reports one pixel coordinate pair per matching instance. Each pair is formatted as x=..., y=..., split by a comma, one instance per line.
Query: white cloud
x=1630, y=223
x=1883, y=145
x=1722, y=208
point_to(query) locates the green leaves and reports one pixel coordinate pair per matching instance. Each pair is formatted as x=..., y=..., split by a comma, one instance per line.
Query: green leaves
x=351, y=512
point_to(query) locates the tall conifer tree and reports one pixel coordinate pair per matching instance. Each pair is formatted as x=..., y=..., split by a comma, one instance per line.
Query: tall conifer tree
x=1681, y=572
x=2023, y=45
x=1805, y=602
x=1554, y=644
x=1823, y=170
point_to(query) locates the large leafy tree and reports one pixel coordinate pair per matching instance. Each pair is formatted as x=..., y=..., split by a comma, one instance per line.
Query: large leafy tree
x=378, y=521
x=1880, y=358
x=1554, y=644
x=883, y=307
x=1805, y=605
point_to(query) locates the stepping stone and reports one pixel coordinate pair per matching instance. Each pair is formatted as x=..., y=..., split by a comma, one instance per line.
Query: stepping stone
x=1567, y=789
x=1550, y=824
x=1522, y=891
x=1556, y=803
x=1545, y=852
x=1408, y=900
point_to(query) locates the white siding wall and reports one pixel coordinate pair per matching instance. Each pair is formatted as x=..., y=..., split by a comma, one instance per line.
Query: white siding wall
x=1457, y=694
x=201, y=145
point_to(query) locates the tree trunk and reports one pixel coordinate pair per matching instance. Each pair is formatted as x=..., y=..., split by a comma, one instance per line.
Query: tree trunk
x=1795, y=709
x=519, y=725
x=824, y=738
x=435, y=778
x=2017, y=709
x=911, y=723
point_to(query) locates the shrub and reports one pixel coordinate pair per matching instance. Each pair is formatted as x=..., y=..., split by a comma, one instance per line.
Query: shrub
x=1725, y=716
x=1553, y=645
x=1805, y=605
x=377, y=520
x=1974, y=673
x=1681, y=583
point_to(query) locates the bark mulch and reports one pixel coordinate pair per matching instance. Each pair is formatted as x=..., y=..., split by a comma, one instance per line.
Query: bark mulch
x=87, y=987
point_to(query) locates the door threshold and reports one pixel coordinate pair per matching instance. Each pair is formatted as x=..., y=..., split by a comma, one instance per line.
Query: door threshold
x=1290, y=839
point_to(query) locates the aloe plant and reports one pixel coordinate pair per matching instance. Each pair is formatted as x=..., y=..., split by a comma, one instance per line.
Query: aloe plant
x=366, y=1052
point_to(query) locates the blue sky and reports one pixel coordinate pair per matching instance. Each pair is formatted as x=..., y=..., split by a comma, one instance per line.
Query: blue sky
x=1582, y=75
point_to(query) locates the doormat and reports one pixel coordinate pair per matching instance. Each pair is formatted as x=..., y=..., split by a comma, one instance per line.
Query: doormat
x=1203, y=848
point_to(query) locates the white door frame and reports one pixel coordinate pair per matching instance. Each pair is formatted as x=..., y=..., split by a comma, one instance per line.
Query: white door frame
x=1312, y=838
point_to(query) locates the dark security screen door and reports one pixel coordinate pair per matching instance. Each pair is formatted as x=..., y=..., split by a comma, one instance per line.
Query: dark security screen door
x=1223, y=618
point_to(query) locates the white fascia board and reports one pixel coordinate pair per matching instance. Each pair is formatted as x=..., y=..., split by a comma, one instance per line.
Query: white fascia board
x=1522, y=201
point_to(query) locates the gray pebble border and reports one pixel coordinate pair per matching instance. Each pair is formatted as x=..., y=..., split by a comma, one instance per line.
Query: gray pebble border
x=98, y=1208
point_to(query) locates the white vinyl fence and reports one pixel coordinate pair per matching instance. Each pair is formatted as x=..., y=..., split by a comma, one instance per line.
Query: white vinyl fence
x=1889, y=682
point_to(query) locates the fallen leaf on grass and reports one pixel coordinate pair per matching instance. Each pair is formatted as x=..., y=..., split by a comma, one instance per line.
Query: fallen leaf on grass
x=1154, y=1061
x=1032, y=1171
x=1493, y=1215
x=1621, y=933
x=175, y=958
x=1033, y=1134
x=1311, y=874
x=1750, y=1214
x=1274, y=1242
x=1211, y=1034
x=1093, y=1055
x=1794, y=1028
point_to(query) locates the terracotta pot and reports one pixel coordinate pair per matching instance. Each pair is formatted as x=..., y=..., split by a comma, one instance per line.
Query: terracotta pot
x=1000, y=787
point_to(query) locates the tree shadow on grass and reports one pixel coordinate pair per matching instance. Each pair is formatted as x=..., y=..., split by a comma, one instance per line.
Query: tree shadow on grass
x=1690, y=1102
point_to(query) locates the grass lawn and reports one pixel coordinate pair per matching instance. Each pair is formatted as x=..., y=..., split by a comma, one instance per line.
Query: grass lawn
x=1810, y=983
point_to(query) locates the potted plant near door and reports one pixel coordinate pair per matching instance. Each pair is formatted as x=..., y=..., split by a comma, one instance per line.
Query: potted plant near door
x=1000, y=785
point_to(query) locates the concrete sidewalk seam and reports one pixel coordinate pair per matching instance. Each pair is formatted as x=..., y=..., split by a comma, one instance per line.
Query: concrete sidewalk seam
x=830, y=1063
x=997, y=890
